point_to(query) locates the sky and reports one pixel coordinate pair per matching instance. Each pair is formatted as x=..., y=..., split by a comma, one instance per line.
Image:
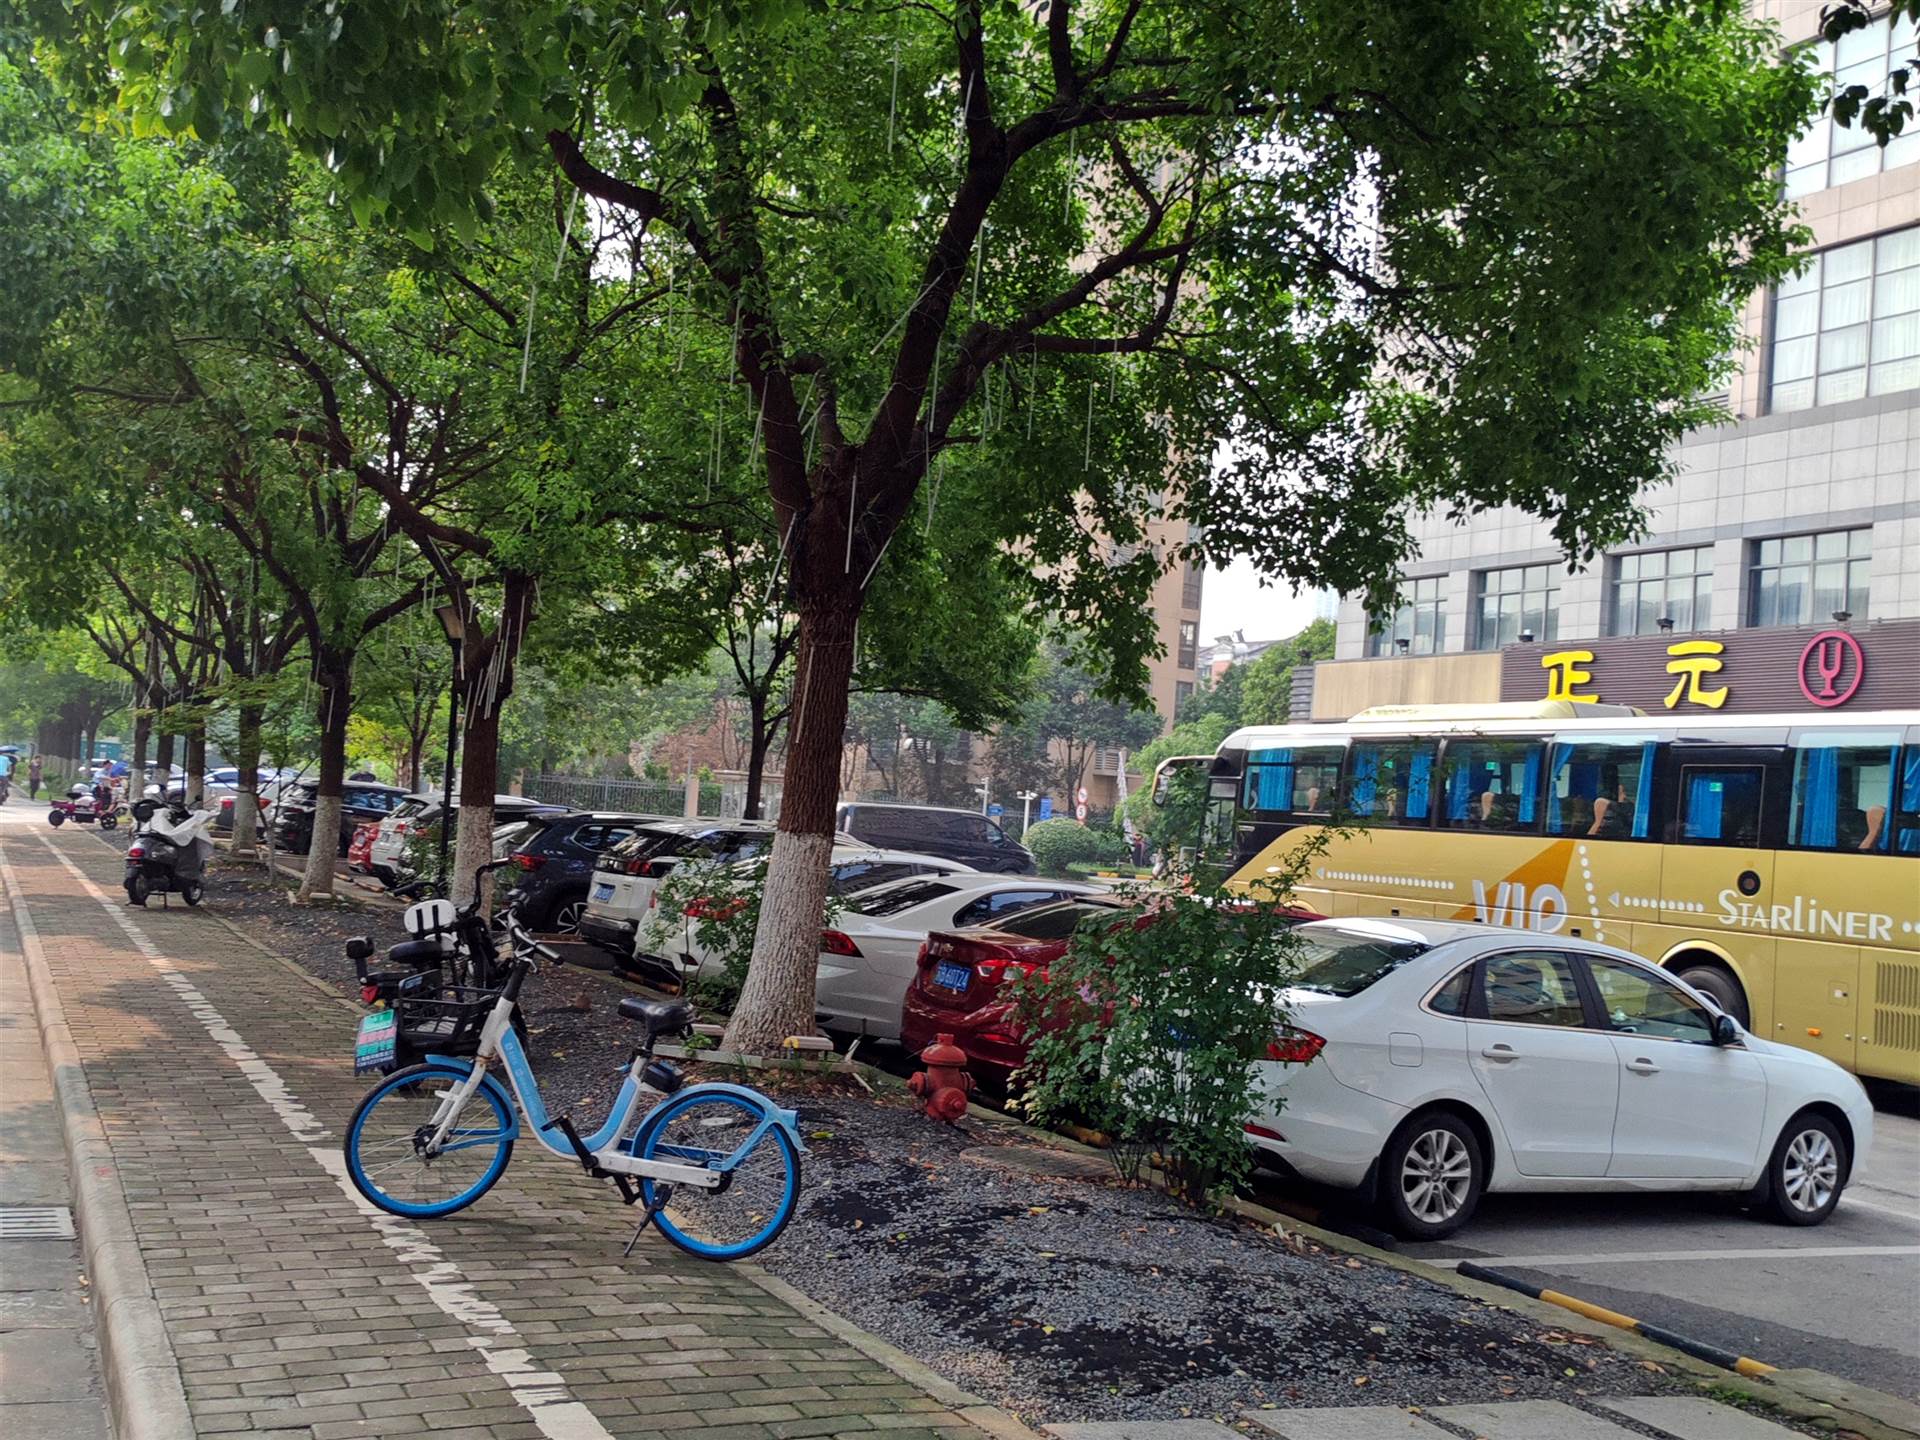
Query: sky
x=1234, y=599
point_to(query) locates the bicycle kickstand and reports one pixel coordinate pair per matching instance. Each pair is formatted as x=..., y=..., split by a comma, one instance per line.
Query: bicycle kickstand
x=662, y=1196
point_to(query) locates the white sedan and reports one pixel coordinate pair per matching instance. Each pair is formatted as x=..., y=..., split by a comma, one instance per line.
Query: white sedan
x=1432, y=1061
x=868, y=959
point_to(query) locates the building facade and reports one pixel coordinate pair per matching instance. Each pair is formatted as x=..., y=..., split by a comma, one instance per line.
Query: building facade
x=1798, y=516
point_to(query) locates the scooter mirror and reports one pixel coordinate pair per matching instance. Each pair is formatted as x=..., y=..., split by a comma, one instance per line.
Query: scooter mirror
x=143, y=810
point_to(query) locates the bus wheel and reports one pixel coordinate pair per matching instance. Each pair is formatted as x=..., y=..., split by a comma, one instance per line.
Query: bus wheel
x=1713, y=979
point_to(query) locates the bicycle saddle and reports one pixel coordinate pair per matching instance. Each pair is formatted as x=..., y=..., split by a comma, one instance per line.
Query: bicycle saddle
x=671, y=1016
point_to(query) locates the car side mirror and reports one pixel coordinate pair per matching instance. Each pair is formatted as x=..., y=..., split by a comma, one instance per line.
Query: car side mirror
x=1726, y=1030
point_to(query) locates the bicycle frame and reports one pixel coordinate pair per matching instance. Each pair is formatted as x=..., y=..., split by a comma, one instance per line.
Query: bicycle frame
x=600, y=1151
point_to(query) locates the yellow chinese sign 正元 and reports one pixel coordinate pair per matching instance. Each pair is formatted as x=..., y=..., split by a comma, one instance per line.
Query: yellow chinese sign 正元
x=1565, y=675
x=1693, y=661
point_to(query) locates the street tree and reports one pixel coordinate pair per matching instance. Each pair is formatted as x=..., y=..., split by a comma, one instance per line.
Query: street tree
x=1292, y=273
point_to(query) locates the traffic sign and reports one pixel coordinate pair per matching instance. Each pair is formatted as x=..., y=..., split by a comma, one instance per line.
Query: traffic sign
x=994, y=812
x=1080, y=811
x=1081, y=795
x=1046, y=807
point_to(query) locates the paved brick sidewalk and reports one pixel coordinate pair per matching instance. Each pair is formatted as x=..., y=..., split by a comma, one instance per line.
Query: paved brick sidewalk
x=223, y=1079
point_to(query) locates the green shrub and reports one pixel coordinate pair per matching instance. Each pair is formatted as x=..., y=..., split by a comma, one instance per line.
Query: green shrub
x=1149, y=1030
x=1056, y=844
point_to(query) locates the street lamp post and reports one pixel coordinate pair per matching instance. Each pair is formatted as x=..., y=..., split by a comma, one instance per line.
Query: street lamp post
x=1026, y=799
x=455, y=624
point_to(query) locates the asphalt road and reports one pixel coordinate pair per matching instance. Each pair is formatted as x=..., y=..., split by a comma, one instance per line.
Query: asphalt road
x=1843, y=1297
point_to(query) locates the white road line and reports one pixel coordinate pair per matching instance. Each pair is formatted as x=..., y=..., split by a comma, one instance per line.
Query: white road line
x=1801, y=1252
x=1849, y=1202
x=542, y=1394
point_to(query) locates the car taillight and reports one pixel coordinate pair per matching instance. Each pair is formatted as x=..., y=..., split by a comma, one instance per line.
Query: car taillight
x=1263, y=1132
x=399, y=827
x=639, y=867
x=136, y=852
x=999, y=969
x=528, y=862
x=707, y=908
x=838, y=942
x=1295, y=1047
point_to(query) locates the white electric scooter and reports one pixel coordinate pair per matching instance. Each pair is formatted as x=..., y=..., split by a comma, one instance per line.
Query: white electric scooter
x=169, y=852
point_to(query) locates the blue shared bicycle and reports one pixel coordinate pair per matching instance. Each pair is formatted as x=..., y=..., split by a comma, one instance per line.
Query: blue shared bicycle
x=716, y=1166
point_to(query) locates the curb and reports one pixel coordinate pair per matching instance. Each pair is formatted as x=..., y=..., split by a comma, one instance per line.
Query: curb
x=137, y=1364
x=1699, y=1349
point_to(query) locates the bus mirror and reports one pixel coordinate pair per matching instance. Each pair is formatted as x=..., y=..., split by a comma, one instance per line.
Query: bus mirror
x=1726, y=1031
x=1162, y=786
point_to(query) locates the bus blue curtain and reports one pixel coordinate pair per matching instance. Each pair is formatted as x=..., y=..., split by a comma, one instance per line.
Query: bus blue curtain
x=1583, y=782
x=1819, y=797
x=1530, y=789
x=1459, y=791
x=1910, y=802
x=1643, y=795
x=1420, y=781
x=1703, y=807
x=1270, y=781
x=1366, y=772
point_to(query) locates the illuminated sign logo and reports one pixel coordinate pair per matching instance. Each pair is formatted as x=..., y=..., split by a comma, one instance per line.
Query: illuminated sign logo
x=1831, y=668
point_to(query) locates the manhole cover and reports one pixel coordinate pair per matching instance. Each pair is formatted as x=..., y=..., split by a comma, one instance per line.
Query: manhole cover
x=36, y=1222
x=1037, y=1161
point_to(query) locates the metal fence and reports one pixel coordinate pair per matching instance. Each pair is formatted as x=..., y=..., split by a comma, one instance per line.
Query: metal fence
x=636, y=797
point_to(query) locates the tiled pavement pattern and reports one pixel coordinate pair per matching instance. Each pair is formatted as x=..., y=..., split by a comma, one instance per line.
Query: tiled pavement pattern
x=297, y=1316
x=1680, y=1418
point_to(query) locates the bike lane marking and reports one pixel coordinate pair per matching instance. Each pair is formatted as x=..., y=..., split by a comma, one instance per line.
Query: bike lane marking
x=543, y=1394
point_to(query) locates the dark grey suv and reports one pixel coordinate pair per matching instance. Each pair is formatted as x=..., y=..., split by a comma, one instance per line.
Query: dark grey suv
x=555, y=855
x=963, y=835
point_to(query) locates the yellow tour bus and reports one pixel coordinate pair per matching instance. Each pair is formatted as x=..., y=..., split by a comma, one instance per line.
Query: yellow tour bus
x=1771, y=861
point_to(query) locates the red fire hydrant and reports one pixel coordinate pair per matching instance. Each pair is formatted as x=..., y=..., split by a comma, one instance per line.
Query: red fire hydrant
x=944, y=1085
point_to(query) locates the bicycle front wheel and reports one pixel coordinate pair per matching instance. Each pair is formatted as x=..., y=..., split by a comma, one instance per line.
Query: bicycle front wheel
x=760, y=1174
x=386, y=1143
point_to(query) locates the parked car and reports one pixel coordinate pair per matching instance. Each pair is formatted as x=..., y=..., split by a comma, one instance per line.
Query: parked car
x=1433, y=1061
x=870, y=955
x=421, y=814
x=555, y=854
x=960, y=975
x=853, y=870
x=963, y=835
x=626, y=878
x=360, y=800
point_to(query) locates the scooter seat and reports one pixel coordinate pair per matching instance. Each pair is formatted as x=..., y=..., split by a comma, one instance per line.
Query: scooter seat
x=671, y=1016
x=416, y=953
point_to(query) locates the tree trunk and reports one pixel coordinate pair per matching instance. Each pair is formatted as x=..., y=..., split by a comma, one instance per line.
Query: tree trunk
x=335, y=705
x=479, y=773
x=778, y=997
x=162, y=757
x=137, y=762
x=760, y=741
x=246, y=803
x=196, y=790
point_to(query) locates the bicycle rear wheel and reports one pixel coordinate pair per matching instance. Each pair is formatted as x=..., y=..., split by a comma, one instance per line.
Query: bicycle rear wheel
x=719, y=1130
x=385, y=1156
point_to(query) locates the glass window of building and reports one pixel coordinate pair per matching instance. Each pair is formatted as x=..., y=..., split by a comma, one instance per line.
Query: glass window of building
x=1827, y=154
x=1804, y=579
x=1189, y=644
x=1421, y=621
x=1675, y=584
x=1519, y=600
x=1850, y=324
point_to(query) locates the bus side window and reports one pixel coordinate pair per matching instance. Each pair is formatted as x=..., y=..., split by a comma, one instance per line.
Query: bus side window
x=1843, y=792
x=1601, y=788
x=1720, y=804
x=1390, y=782
x=1491, y=785
x=1906, y=821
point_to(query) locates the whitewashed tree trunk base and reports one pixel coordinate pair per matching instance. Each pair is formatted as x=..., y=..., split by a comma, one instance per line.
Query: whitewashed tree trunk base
x=778, y=997
x=324, y=850
x=246, y=820
x=472, y=848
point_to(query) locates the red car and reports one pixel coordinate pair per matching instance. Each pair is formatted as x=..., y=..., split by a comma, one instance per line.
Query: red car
x=360, y=848
x=958, y=987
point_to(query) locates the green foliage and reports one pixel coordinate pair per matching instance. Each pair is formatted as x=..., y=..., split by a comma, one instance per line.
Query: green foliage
x=1148, y=1027
x=1056, y=844
x=1267, y=689
x=725, y=901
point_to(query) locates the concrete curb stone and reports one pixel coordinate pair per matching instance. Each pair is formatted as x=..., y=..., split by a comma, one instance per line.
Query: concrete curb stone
x=137, y=1363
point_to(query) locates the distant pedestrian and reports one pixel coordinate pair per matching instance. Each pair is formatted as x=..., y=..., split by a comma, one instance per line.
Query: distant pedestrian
x=33, y=779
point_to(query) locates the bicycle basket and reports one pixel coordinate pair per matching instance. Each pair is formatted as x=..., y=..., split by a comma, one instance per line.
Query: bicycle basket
x=444, y=1021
